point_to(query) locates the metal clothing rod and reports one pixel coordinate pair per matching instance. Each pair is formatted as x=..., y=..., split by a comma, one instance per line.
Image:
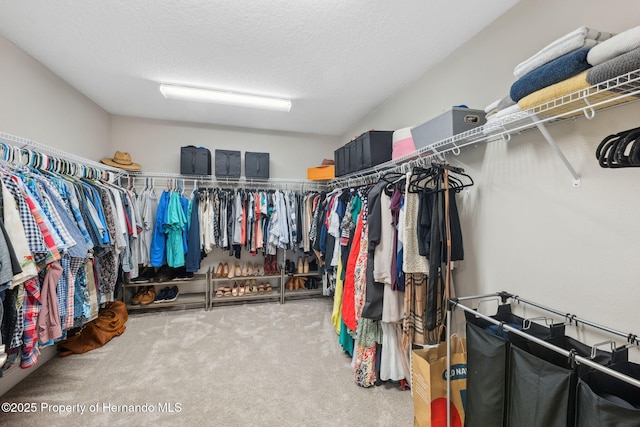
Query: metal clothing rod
x=572, y=317
x=212, y=180
x=579, y=359
x=28, y=143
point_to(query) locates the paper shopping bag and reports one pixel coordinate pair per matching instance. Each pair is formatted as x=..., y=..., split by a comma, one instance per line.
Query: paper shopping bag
x=429, y=382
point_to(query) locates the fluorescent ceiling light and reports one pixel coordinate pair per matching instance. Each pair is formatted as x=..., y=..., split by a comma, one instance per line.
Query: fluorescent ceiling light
x=227, y=98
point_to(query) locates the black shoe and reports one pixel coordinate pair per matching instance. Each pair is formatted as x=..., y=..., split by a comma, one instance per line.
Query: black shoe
x=172, y=294
x=162, y=295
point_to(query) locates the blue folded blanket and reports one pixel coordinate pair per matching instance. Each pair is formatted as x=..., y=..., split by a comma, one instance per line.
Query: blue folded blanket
x=551, y=73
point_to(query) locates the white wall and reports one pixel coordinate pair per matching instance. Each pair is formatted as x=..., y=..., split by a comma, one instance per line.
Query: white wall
x=38, y=105
x=526, y=229
x=155, y=144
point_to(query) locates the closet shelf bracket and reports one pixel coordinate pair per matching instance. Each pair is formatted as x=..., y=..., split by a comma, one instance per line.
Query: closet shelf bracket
x=545, y=133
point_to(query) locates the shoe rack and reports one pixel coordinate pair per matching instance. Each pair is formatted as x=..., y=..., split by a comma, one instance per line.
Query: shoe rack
x=221, y=288
x=291, y=290
x=192, y=293
x=246, y=285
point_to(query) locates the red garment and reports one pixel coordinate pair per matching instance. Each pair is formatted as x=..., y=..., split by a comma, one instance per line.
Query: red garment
x=348, y=293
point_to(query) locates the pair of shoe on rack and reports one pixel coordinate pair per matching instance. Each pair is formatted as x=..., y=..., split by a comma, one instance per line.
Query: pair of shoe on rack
x=271, y=265
x=301, y=268
x=222, y=270
x=241, y=288
x=167, y=295
x=145, y=295
x=295, y=283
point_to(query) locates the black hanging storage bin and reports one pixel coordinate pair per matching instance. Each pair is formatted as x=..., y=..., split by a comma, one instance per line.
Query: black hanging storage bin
x=541, y=394
x=488, y=366
x=195, y=160
x=256, y=165
x=603, y=400
x=227, y=164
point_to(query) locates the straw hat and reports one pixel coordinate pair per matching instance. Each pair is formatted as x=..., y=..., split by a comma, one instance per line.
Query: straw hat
x=123, y=161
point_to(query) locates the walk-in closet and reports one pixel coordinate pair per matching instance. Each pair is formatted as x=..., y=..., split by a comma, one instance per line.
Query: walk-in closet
x=315, y=214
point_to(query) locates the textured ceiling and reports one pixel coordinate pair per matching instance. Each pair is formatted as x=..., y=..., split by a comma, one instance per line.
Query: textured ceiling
x=336, y=60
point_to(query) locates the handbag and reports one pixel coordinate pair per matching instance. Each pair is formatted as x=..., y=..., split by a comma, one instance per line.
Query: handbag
x=429, y=382
x=96, y=333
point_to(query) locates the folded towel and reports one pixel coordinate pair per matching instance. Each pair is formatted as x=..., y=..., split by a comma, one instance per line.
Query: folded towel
x=492, y=106
x=506, y=119
x=555, y=91
x=555, y=71
x=505, y=102
x=509, y=111
x=617, y=45
x=568, y=97
x=615, y=67
x=582, y=37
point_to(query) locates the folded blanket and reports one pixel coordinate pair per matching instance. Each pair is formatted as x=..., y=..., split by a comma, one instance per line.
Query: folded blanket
x=506, y=119
x=505, y=102
x=615, y=67
x=555, y=91
x=617, y=45
x=555, y=71
x=582, y=37
x=568, y=97
x=491, y=106
x=509, y=111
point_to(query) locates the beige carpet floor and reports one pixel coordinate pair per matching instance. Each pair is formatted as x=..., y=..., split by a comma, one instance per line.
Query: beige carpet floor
x=247, y=365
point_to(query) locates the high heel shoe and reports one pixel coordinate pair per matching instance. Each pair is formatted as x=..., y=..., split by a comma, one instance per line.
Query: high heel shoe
x=301, y=282
x=244, y=272
x=237, y=270
x=225, y=270
x=258, y=270
x=231, y=273
x=249, y=269
x=300, y=265
x=305, y=266
x=219, y=270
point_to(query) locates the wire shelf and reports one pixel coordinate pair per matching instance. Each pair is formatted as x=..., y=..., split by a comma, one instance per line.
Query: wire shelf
x=616, y=91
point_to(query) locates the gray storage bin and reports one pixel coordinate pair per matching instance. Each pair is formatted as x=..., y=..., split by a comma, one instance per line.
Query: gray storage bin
x=452, y=122
x=256, y=165
x=227, y=164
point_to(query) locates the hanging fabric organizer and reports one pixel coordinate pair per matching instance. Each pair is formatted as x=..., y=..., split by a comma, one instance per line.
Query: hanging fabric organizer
x=522, y=372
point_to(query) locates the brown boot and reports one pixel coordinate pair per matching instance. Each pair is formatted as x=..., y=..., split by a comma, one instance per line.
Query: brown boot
x=301, y=281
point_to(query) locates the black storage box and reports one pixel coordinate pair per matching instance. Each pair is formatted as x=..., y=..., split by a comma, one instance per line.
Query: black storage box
x=374, y=147
x=195, y=160
x=341, y=160
x=368, y=150
x=256, y=165
x=227, y=164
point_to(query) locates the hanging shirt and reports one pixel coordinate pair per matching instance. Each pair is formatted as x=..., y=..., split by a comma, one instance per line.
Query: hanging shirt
x=174, y=223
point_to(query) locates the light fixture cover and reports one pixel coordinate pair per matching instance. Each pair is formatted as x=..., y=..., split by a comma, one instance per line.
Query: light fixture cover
x=221, y=97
